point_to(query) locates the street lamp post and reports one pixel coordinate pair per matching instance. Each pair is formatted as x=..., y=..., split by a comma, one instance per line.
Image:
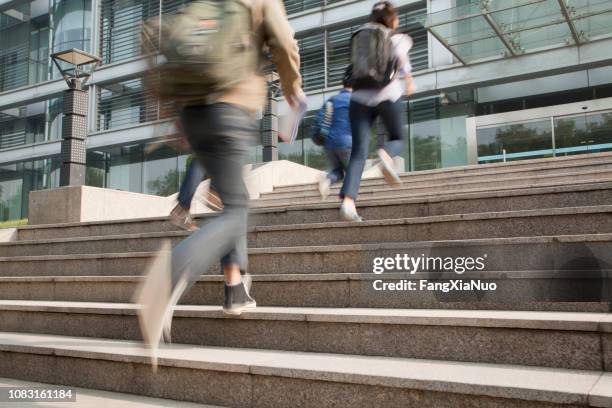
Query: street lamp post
x=270, y=119
x=76, y=67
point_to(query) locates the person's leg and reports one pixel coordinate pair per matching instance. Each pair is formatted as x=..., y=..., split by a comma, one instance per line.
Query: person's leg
x=222, y=151
x=392, y=116
x=361, y=117
x=335, y=173
x=180, y=215
x=193, y=178
x=344, y=157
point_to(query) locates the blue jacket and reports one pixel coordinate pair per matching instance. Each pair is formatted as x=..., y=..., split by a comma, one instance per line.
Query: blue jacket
x=338, y=130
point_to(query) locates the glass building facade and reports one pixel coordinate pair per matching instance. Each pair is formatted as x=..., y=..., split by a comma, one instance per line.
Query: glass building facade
x=438, y=133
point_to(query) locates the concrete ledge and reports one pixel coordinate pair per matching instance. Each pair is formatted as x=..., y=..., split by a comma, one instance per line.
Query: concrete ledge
x=75, y=204
x=8, y=235
x=84, y=203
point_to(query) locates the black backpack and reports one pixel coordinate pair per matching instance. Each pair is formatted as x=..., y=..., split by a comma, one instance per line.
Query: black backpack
x=373, y=57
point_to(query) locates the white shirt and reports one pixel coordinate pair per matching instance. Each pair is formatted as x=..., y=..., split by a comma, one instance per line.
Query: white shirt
x=402, y=43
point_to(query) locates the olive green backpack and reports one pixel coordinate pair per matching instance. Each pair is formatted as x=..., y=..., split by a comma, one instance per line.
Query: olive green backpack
x=208, y=48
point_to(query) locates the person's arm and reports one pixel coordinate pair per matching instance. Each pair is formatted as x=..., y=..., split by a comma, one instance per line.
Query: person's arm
x=405, y=68
x=279, y=37
x=328, y=114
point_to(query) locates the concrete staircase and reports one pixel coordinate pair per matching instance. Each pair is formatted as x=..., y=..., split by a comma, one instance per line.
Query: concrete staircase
x=322, y=335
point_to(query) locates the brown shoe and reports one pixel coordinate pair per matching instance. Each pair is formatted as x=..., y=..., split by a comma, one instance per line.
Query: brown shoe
x=212, y=200
x=182, y=219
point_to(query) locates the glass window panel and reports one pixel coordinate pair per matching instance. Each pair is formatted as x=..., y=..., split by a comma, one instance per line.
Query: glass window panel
x=125, y=103
x=596, y=26
x=518, y=140
x=11, y=183
x=470, y=29
x=600, y=130
x=487, y=48
x=295, y=6
x=544, y=37
x=95, y=175
x=161, y=173
x=24, y=47
x=587, y=8
x=570, y=132
x=121, y=25
x=411, y=22
x=125, y=171
x=72, y=24
x=528, y=16
x=312, y=55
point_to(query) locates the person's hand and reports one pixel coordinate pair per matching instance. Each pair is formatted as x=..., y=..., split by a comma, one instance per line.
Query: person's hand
x=295, y=99
x=410, y=88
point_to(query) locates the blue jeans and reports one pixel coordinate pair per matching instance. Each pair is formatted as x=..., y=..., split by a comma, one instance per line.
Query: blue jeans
x=193, y=178
x=221, y=136
x=338, y=161
x=362, y=118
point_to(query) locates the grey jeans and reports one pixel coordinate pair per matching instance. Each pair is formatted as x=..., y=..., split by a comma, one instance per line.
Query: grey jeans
x=220, y=136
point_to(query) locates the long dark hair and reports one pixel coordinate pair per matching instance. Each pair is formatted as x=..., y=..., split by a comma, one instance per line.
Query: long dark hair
x=383, y=13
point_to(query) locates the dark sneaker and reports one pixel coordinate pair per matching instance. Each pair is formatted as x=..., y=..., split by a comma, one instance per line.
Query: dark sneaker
x=237, y=299
x=182, y=219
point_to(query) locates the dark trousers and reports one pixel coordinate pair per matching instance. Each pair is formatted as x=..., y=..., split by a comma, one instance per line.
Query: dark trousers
x=221, y=136
x=338, y=162
x=362, y=118
x=193, y=178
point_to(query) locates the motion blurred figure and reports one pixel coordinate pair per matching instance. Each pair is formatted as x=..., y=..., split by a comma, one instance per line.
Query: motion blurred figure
x=380, y=59
x=213, y=52
x=332, y=129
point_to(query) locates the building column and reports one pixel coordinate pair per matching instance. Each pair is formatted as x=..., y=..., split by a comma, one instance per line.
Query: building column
x=74, y=133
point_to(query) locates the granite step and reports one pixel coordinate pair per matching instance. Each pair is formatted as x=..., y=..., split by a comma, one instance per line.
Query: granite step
x=588, y=194
x=89, y=398
x=576, y=164
x=572, y=291
x=266, y=378
x=547, y=253
x=450, y=190
x=581, y=341
x=435, y=187
x=540, y=222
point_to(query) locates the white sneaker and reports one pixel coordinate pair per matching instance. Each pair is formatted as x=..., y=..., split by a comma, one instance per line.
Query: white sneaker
x=153, y=296
x=387, y=167
x=349, y=213
x=324, y=186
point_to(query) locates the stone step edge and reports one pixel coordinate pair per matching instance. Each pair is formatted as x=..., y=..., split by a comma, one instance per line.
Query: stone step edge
x=558, y=386
x=562, y=321
x=406, y=185
x=87, y=397
x=545, y=212
x=378, y=183
x=519, y=163
x=548, y=212
x=591, y=185
x=342, y=277
x=272, y=202
x=336, y=248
